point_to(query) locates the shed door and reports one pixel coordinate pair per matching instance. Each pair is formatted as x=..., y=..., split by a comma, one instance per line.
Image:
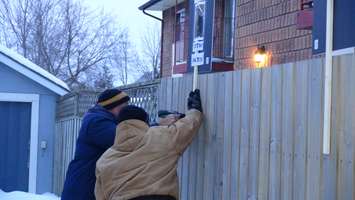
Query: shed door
x=15, y=128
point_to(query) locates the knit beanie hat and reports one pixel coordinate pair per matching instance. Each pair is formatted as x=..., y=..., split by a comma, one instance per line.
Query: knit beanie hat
x=133, y=112
x=112, y=98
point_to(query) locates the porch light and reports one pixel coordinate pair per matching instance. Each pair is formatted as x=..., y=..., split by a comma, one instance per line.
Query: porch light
x=260, y=56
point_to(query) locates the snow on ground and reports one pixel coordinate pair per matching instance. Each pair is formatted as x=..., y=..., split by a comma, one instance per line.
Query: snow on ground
x=26, y=196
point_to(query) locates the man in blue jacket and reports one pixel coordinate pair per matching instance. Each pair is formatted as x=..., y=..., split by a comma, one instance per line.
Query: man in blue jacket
x=97, y=134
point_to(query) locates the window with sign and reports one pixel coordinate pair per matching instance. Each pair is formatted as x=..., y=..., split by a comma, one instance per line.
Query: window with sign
x=180, y=36
x=199, y=22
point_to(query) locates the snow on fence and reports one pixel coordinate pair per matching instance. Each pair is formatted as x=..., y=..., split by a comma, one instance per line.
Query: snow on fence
x=70, y=110
x=262, y=134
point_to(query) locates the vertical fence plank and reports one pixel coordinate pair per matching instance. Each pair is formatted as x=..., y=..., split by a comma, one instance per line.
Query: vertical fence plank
x=210, y=148
x=169, y=93
x=344, y=133
x=254, y=110
x=245, y=132
x=162, y=105
x=201, y=141
x=275, y=142
x=237, y=80
x=314, y=130
x=185, y=157
x=219, y=135
x=352, y=126
x=299, y=178
x=227, y=138
x=264, y=148
x=329, y=173
x=287, y=131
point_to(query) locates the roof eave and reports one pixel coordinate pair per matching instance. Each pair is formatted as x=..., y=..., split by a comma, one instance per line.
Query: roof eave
x=149, y=4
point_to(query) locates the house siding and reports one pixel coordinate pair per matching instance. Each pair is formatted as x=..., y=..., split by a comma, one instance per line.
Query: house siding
x=14, y=82
x=271, y=24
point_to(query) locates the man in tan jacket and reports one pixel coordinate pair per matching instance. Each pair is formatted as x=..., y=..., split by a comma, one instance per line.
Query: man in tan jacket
x=142, y=163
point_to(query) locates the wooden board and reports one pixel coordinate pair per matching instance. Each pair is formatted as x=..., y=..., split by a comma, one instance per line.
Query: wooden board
x=264, y=149
x=275, y=136
x=287, y=148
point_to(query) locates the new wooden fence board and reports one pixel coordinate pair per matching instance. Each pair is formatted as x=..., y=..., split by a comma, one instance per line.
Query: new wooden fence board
x=227, y=147
x=201, y=141
x=348, y=145
x=236, y=134
x=210, y=162
x=345, y=165
x=185, y=159
x=340, y=128
x=162, y=104
x=193, y=157
x=245, y=132
x=287, y=131
x=255, y=99
x=264, y=149
x=329, y=171
x=301, y=122
x=218, y=136
x=314, y=134
x=169, y=93
x=275, y=137
x=353, y=122
x=352, y=126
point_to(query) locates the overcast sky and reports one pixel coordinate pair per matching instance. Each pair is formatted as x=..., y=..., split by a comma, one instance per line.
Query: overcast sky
x=127, y=14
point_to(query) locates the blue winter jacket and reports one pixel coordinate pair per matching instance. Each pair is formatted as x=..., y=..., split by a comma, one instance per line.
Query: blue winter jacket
x=97, y=134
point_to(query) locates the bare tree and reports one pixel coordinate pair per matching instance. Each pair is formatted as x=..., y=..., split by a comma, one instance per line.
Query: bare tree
x=151, y=42
x=124, y=59
x=62, y=36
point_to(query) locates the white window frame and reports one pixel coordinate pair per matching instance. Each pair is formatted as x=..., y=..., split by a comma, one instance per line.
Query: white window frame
x=34, y=100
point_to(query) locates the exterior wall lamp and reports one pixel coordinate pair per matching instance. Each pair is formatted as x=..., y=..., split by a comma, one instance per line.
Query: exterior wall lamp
x=261, y=57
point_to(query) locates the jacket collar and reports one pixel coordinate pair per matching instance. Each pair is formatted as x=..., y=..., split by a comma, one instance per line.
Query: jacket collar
x=99, y=110
x=129, y=134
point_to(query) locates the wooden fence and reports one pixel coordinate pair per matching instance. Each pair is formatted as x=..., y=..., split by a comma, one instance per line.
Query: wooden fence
x=262, y=134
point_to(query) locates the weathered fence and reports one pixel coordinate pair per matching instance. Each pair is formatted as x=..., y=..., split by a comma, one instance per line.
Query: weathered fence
x=262, y=134
x=70, y=111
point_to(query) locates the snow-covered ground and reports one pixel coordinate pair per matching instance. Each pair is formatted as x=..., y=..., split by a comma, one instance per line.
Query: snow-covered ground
x=26, y=196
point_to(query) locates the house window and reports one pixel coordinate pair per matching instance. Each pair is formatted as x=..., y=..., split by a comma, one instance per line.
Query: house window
x=199, y=20
x=229, y=28
x=180, y=36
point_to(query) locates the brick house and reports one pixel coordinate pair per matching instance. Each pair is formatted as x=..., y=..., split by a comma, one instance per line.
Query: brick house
x=233, y=30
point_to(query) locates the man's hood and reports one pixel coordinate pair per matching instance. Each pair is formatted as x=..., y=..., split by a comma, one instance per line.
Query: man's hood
x=129, y=135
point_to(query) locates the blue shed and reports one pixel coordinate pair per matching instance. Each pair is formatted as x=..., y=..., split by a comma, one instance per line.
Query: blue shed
x=28, y=96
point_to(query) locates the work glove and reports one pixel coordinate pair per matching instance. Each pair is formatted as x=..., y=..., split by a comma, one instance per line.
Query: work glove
x=165, y=113
x=194, y=101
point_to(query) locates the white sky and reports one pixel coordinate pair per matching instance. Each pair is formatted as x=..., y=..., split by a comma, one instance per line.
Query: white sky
x=127, y=14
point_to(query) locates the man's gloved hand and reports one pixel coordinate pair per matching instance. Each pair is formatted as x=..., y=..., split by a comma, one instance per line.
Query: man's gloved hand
x=194, y=101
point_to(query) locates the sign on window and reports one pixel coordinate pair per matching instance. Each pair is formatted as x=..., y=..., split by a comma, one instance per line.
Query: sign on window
x=197, y=59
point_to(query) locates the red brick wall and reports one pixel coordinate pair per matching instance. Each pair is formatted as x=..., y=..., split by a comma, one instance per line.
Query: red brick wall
x=168, y=37
x=271, y=23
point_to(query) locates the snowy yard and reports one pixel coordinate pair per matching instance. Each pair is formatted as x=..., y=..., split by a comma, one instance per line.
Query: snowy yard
x=26, y=196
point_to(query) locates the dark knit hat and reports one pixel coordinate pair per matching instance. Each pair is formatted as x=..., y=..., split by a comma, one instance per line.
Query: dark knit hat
x=133, y=112
x=112, y=98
